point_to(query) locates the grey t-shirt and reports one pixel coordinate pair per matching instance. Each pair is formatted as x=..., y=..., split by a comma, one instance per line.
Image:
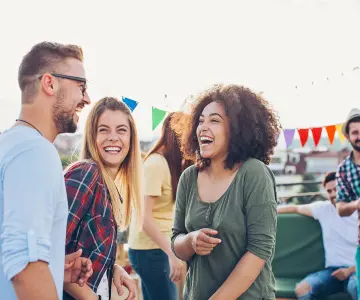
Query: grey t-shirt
x=245, y=218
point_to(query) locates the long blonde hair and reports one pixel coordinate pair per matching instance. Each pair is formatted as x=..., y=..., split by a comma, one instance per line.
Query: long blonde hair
x=128, y=180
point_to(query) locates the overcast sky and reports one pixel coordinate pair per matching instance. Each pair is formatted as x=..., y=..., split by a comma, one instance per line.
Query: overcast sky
x=146, y=49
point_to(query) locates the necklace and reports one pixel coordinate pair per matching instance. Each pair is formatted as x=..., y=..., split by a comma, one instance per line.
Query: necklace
x=20, y=120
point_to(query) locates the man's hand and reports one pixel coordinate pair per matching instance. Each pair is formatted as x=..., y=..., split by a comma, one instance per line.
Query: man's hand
x=77, y=269
x=122, y=278
x=342, y=273
x=346, y=209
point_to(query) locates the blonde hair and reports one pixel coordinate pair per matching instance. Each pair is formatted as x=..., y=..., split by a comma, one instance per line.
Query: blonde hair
x=129, y=177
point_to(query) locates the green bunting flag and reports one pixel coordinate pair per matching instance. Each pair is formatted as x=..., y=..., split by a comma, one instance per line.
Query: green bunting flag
x=157, y=116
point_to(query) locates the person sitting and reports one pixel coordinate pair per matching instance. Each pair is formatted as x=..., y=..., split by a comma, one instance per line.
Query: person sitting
x=340, y=240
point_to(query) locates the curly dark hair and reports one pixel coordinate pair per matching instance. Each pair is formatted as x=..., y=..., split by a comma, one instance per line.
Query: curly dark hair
x=254, y=126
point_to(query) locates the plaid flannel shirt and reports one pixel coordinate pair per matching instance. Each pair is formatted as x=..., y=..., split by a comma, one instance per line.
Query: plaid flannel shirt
x=348, y=183
x=91, y=225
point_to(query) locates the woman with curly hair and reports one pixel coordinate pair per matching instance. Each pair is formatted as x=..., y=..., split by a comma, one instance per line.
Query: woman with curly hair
x=225, y=215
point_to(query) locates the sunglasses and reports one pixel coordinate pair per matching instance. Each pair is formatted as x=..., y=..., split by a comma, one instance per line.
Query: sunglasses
x=74, y=78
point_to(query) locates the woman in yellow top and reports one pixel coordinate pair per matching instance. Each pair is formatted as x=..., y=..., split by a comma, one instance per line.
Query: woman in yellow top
x=150, y=251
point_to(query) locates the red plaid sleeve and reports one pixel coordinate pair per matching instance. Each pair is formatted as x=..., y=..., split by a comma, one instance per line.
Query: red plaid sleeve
x=91, y=224
x=81, y=182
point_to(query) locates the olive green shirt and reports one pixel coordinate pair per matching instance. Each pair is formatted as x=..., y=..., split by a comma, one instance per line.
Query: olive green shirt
x=245, y=218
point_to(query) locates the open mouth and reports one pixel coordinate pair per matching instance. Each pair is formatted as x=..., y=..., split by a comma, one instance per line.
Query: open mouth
x=112, y=149
x=205, y=140
x=79, y=108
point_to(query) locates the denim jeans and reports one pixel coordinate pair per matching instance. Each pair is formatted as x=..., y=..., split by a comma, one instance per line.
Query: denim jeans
x=154, y=270
x=323, y=284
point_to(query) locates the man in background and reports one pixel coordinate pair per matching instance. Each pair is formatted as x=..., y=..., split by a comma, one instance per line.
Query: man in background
x=339, y=239
x=348, y=175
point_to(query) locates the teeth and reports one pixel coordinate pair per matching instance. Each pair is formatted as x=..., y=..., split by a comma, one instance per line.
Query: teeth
x=205, y=138
x=116, y=149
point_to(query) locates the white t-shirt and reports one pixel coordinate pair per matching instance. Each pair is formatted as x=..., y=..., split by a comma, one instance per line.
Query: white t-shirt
x=103, y=288
x=339, y=234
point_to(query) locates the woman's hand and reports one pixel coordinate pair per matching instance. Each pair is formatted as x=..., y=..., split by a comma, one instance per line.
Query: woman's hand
x=202, y=242
x=176, y=268
x=122, y=278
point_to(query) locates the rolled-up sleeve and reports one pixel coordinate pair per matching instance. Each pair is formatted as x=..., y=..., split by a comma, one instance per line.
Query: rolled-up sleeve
x=180, y=210
x=260, y=210
x=28, y=182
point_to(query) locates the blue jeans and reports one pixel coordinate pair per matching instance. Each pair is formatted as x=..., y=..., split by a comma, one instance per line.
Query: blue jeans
x=322, y=284
x=154, y=270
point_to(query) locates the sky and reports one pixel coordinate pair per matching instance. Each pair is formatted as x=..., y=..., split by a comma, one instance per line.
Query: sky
x=299, y=53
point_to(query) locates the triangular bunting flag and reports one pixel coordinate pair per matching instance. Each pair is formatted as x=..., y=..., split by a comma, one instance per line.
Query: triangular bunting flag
x=338, y=129
x=304, y=135
x=157, y=116
x=316, y=133
x=331, y=129
x=289, y=136
x=130, y=103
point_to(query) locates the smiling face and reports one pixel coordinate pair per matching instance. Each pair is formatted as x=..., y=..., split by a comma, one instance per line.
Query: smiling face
x=330, y=188
x=113, y=137
x=71, y=97
x=213, y=132
x=354, y=135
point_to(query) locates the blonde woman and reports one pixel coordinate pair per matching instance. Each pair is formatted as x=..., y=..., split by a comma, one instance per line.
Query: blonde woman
x=102, y=187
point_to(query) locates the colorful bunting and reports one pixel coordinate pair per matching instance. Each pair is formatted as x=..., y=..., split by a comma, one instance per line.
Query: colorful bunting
x=131, y=104
x=304, y=135
x=339, y=131
x=316, y=133
x=289, y=136
x=331, y=129
x=157, y=116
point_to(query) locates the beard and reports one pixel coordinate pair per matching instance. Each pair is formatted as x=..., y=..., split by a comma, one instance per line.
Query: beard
x=63, y=119
x=355, y=145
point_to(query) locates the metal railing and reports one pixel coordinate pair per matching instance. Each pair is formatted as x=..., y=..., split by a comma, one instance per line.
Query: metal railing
x=312, y=195
x=305, y=182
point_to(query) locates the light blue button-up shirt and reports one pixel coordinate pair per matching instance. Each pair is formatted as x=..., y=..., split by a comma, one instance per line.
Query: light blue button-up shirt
x=33, y=207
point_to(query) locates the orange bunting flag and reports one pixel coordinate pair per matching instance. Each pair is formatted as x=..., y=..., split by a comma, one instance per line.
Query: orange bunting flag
x=341, y=136
x=316, y=133
x=304, y=135
x=331, y=129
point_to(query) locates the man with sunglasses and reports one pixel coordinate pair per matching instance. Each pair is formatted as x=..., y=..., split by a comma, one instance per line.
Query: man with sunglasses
x=33, y=202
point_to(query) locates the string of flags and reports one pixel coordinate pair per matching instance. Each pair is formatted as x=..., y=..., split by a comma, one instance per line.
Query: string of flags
x=316, y=132
x=157, y=114
x=289, y=134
